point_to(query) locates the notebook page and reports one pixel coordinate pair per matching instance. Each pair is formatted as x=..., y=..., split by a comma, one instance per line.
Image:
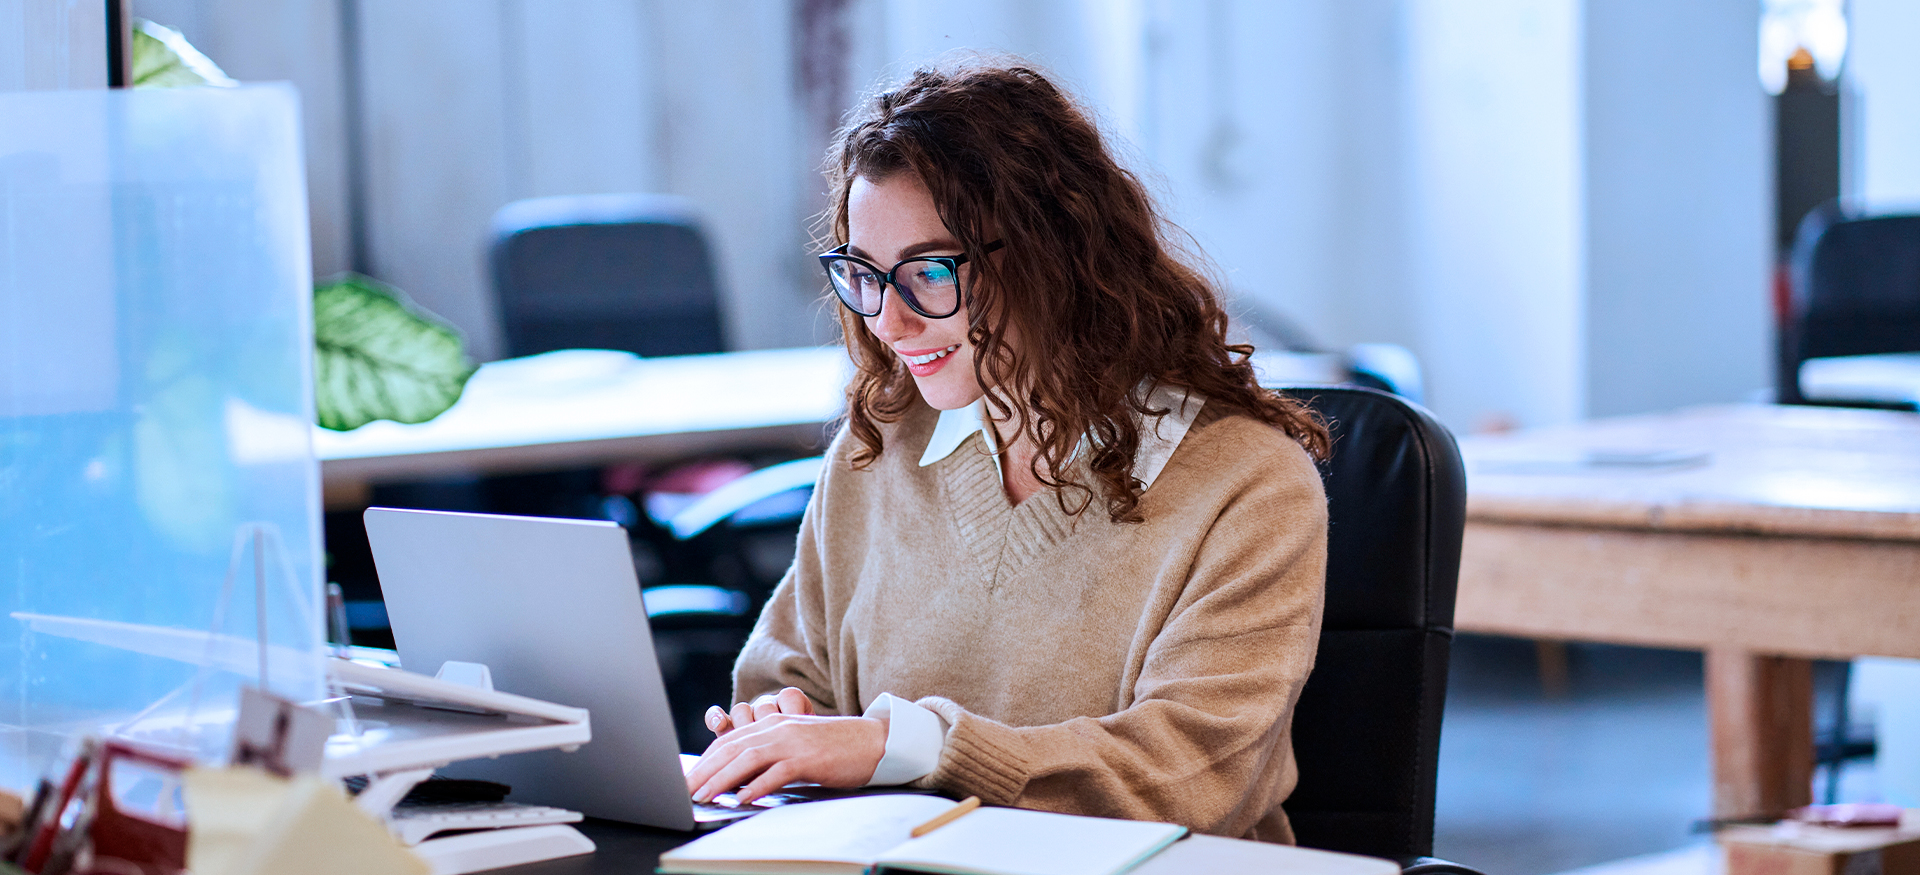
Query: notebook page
x=1203, y=853
x=852, y=831
x=1012, y=841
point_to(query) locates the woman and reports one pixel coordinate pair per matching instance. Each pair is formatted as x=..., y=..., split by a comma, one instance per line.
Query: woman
x=1066, y=554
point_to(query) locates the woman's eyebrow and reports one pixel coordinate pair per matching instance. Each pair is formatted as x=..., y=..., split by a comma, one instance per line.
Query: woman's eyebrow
x=936, y=245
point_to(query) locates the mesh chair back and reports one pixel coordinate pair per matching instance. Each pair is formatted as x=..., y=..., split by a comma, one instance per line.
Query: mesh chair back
x=1856, y=291
x=621, y=271
x=1366, y=732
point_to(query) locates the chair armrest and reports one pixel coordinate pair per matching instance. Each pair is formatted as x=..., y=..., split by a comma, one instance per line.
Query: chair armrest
x=691, y=600
x=729, y=499
x=1392, y=365
x=1434, y=866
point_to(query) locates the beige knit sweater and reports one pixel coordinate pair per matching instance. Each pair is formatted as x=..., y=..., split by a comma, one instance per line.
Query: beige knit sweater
x=1144, y=670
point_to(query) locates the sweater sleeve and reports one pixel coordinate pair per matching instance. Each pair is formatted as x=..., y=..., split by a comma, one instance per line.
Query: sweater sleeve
x=788, y=646
x=1212, y=706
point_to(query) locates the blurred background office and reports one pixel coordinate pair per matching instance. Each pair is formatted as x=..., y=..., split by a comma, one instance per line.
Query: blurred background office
x=1564, y=209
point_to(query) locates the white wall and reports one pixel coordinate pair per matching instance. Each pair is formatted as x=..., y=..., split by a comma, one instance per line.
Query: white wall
x=1679, y=205
x=296, y=41
x=1495, y=209
x=1884, y=71
x=1276, y=132
x=434, y=106
x=48, y=44
x=731, y=141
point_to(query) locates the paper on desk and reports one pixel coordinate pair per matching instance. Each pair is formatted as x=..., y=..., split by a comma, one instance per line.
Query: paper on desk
x=1021, y=842
x=1591, y=461
x=243, y=821
x=1203, y=853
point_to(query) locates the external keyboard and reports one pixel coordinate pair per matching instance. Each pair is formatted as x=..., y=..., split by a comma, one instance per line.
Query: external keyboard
x=414, y=822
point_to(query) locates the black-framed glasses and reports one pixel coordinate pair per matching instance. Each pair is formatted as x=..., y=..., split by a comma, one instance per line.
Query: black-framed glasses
x=929, y=284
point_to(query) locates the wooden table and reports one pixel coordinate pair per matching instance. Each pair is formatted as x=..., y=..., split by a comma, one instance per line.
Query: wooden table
x=1762, y=535
x=580, y=408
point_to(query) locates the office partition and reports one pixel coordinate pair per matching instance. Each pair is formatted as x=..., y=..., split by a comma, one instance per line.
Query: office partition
x=158, y=494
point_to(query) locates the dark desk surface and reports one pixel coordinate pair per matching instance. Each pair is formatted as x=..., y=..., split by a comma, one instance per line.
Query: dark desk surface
x=624, y=849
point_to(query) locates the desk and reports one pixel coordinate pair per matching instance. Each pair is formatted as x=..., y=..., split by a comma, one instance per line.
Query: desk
x=580, y=408
x=1762, y=535
x=622, y=849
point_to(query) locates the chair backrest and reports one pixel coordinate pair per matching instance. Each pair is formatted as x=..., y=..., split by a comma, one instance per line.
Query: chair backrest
x=1855, y=291
x=1366, y=732
x=615, y=271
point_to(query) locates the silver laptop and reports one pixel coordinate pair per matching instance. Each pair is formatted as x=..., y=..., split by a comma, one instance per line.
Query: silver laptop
x=553, y=609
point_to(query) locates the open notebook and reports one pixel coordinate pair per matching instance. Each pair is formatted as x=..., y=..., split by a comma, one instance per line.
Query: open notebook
x=851, y=835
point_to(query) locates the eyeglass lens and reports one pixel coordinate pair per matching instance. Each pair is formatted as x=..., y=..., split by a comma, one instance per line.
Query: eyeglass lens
x=930, y=287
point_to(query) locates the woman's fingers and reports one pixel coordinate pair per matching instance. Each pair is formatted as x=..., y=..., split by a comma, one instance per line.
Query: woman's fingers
x=740, y=767
x=718, y=722
x=718, y=756
x=790, y=700
x=770, y=753
x=793, y=701
x=780, y=774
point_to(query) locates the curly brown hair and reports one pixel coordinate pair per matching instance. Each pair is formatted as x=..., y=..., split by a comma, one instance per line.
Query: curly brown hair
x=1006, y=153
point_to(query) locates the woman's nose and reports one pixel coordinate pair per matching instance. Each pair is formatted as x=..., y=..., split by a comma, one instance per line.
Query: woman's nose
x=896, y=321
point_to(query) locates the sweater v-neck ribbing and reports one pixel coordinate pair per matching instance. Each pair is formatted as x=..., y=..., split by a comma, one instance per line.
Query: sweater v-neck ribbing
x=1002, y=537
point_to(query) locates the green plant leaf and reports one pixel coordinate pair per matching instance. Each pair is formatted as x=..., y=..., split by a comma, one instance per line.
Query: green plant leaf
x=162, y=58
x=376, y=356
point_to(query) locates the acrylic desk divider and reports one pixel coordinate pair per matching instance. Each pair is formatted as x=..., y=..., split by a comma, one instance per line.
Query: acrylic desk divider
x=209, y=652
x=155, y=400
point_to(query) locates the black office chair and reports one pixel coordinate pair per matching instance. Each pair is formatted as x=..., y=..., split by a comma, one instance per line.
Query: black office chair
x=605, y=271
x=1855, y=290
x=1366, y=732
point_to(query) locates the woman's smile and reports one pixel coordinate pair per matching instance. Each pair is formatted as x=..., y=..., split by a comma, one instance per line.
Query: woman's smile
x=924, y=362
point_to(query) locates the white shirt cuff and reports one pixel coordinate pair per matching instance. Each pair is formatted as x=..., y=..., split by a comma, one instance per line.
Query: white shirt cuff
x=915, y=736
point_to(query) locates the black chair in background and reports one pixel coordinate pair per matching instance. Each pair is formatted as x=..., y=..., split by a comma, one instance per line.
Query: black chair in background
x=1855, y=290
x=1366, y=732
x=605, y=271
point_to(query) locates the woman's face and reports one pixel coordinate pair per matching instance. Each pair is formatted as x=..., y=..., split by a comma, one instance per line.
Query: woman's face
x=894, y=219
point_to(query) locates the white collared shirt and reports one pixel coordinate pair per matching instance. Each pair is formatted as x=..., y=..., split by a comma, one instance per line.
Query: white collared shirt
x=915, y=734
x=1159, y=435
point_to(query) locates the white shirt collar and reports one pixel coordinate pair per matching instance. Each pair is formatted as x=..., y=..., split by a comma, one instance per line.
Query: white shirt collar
x=1159, y=435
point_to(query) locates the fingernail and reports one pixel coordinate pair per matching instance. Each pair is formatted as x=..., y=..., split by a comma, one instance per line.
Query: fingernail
x=714, y=716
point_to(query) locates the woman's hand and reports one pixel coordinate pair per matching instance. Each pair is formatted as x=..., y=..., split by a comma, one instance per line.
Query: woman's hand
x=788, y=701
x=778, y=749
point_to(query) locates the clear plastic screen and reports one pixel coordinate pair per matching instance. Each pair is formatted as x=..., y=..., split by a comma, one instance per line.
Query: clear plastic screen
x=158, y=495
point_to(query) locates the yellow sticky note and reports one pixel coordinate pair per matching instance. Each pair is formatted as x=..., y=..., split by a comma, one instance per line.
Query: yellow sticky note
x=243, y=821
x=227, y=810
